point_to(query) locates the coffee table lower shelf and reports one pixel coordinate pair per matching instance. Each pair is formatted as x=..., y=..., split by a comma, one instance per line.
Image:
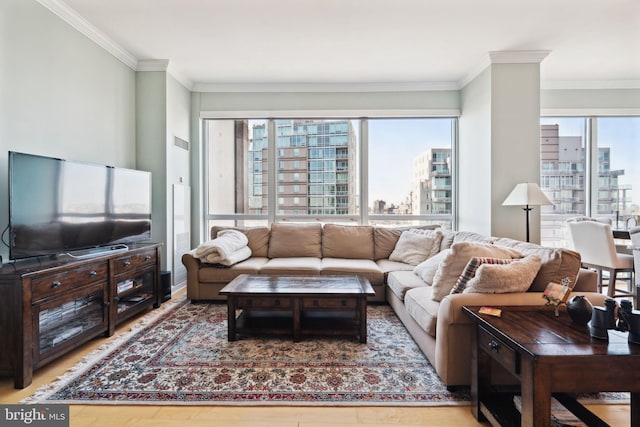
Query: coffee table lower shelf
x=273, y=322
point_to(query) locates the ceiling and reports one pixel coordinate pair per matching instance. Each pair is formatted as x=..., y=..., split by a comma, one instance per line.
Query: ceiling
x=354, y=42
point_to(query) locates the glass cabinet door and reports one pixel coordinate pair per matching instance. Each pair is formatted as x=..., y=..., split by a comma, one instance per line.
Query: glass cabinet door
x=76, y=317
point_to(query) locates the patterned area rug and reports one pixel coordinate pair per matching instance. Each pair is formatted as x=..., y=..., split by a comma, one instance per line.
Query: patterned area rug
x=183, y=357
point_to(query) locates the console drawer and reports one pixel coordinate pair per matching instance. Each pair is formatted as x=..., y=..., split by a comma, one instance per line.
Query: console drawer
x=328, y=303
x=129, y=262
x=53, y=284
x=263, y=302
x=499, y=351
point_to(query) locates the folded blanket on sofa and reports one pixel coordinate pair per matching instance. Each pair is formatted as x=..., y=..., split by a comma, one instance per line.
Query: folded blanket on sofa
x=237, y=256
x=226, y=243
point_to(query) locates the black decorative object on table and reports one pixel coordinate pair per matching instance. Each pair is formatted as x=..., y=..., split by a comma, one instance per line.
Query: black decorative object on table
x=579, y=309
x=603, y=319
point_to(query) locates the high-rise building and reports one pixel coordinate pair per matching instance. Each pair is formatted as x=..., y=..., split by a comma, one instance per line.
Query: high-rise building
x=315, y=165
x=563, y=175
x=431, y=185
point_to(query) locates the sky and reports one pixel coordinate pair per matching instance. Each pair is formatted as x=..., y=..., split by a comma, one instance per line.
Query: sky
x=393, y=144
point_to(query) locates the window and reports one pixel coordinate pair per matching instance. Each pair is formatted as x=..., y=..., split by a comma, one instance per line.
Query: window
x=566, y=144
x=410, y=170
x=317, y=173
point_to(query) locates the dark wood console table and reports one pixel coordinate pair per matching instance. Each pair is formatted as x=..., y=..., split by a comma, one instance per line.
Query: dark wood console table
x=51, y=306
x=549, y=355
x=298, y=305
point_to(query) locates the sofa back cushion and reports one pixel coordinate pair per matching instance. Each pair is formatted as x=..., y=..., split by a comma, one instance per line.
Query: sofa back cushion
x=295, y=240
x=386, y=238
x=453, y=265
x=557, y=263
x=258, y=238
x=347, y=241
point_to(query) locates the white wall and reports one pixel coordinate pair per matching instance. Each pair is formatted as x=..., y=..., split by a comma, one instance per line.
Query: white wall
x=515, y=146
x=499, y=146
x=60, y=94
x=474, y=156
x=178, y=174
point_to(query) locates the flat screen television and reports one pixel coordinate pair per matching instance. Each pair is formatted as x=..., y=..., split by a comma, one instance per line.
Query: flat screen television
x=60, y=206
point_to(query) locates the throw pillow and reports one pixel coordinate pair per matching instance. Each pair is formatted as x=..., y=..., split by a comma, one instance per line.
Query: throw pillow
x=454, y=263
x=516, y=276
x=426, y=270
x=471, y=269
x=414, y=246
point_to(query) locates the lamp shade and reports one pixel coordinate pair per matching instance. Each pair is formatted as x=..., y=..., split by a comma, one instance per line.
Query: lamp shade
x=527, y=194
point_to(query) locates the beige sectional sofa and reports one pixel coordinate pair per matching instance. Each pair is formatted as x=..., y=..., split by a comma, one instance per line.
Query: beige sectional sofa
x=438, y=326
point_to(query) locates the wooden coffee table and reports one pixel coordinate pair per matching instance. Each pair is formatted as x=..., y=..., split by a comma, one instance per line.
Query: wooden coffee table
x=549, y=355
x=298, y=305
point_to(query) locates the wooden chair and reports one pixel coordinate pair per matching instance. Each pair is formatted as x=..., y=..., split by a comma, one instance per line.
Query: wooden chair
x=594, y=241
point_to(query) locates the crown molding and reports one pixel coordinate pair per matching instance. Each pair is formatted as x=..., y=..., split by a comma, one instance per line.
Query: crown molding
x=504, y=57
x=325, y=87
x=518, y=56
x=70, y=16
x=152, y=65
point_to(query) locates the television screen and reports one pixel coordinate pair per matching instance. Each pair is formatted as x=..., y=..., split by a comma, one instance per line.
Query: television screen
x=59, y=206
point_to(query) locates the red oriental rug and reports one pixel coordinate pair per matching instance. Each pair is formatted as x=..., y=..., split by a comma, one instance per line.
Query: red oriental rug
x=181, y=356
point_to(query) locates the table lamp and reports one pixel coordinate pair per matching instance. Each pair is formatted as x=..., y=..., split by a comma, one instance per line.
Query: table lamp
x=527, y=194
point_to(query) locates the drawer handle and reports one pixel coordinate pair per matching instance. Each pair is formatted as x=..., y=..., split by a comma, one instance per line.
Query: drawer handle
x=93, y=274
x=147, y=258
x=56, y=284
x=494, y=346
x=127, y=263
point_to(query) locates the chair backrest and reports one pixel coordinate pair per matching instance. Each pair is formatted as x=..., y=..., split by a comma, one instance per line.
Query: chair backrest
x=635, y=243
x=594, y=241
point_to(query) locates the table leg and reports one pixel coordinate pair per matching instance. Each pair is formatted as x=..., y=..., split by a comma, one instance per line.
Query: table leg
x=231, y=318
x=536, y=394
x=635, y=408
x=362, y=303
x=480, y=376
x=296, y=319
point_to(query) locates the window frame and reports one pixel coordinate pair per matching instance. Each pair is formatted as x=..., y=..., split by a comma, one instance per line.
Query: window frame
x=363, y=217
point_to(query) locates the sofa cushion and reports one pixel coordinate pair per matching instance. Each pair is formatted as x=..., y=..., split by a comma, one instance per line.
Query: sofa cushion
x=292, y=265
x=258, y=238
x=454, y=263
x=362, y=267
x=557, y=263
x=415, y=246
x=470, y=236
x=213, y=274
x=347, y=241
x=385, y=238
x=387, y=266
x=471, y=269
x=447, y=239
x=505, y=278
x=399, y=282
x=421, y=306
x=427, y=269
x=295, y=240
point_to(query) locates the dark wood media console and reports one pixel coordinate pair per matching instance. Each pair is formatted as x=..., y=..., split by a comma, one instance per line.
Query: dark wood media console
x=50, y=307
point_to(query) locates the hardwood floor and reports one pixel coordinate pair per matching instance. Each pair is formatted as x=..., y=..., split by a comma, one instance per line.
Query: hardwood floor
x=243, y=416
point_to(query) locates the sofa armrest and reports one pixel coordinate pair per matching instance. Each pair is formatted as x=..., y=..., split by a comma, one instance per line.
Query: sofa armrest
x=587, y=281
x=192, y=264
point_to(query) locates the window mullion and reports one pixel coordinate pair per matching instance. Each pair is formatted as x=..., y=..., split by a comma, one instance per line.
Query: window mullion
x=272, y=173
